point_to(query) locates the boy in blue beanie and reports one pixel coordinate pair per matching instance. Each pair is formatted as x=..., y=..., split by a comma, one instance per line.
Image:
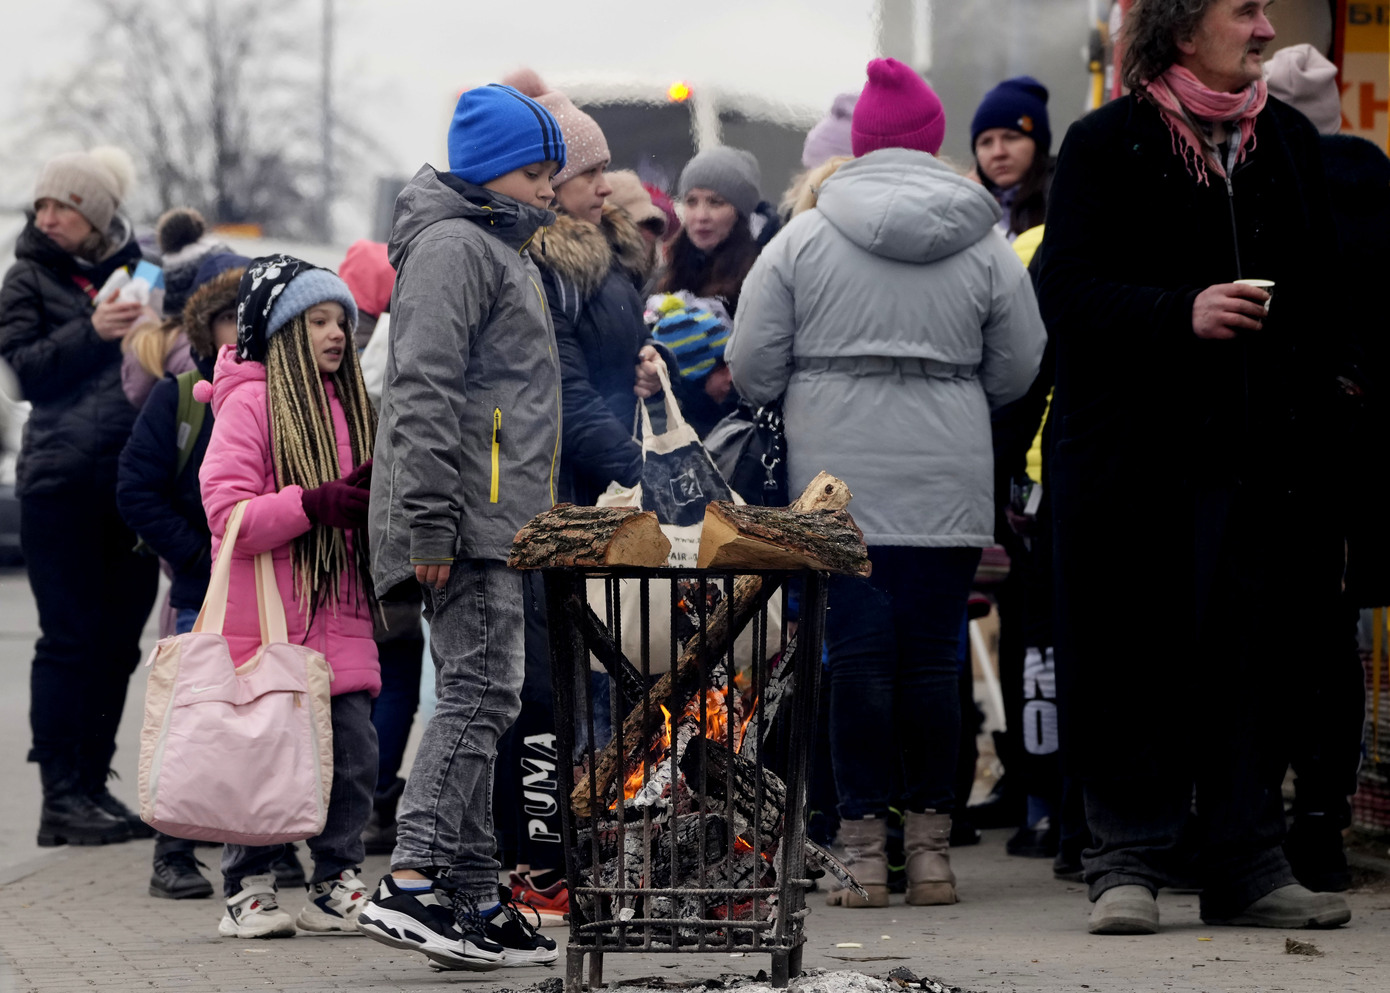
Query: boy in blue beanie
x=466, y=451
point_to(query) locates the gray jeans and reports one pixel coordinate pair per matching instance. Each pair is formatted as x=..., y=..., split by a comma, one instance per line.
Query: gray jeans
x=477, y=640
x=339, y=845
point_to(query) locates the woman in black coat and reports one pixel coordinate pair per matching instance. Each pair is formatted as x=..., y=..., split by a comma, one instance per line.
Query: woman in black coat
x=93, y=590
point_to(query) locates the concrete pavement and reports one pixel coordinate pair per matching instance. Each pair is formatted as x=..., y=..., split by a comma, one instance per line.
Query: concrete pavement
x=80, y=919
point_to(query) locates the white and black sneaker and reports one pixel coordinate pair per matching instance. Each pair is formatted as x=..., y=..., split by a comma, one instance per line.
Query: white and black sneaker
x=334, y=905
x=509, y=925
x=254, y=912
x=425, y=921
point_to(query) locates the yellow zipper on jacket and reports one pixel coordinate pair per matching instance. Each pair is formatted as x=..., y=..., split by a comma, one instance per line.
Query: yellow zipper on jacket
x=496, y=452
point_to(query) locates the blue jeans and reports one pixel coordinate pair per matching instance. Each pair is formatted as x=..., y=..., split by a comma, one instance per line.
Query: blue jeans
x=894, y=641
x=184, y=619
x=477, y=639
x=339, y=845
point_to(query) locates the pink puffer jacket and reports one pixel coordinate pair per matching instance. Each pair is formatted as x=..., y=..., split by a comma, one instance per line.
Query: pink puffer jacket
x=238, y=467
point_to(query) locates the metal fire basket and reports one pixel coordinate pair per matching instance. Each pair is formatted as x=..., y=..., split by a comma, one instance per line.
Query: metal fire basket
x=698, y=844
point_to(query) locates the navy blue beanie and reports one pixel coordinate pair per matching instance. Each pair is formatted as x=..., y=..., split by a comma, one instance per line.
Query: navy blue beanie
x=1019, y=104
x=497, y=129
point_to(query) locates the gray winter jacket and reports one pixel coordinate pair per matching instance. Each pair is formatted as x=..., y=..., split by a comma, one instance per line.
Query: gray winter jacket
x=469, y=436
x=893, y=317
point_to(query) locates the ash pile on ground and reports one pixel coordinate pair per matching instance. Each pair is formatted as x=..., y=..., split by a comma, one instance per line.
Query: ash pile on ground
x=900, y=980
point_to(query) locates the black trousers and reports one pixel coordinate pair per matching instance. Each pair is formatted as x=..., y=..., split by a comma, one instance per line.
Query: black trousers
x=94, y=594
x=526, y=800
x=1327, y=743
x=1263, y=630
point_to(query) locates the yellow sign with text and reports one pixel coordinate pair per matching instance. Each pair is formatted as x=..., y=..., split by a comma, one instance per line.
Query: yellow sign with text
x=1366, y=71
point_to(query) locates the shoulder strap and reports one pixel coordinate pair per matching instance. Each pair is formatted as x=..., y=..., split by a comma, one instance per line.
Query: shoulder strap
x=85, y=285
x=191, y=414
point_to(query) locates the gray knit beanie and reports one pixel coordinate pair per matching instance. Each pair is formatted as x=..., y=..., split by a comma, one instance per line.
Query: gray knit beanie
x=731, y=172
x=93, y=183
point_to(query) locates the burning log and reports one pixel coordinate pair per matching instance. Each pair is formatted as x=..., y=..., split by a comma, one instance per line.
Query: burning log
x=733, y=614
x=778, y=686
x=749, y=537
x=721, y=769
x=654, y=791
x=566, y=536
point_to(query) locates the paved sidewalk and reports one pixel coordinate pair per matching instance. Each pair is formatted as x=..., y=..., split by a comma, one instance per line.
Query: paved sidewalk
x=83, y=921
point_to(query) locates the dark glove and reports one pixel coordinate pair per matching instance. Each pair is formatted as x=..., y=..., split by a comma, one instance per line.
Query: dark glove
x=338, y=504
x=361, y=477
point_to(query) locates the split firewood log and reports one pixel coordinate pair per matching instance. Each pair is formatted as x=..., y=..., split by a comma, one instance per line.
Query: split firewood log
x=746, y=537
x=567, y=536
x=730, y=617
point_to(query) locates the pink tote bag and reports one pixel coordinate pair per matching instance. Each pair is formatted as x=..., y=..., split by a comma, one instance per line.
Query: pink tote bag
x=240, y=754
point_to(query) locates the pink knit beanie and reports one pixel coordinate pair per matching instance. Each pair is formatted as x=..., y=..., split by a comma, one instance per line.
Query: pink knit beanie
x=585, y=145
x=897, y=110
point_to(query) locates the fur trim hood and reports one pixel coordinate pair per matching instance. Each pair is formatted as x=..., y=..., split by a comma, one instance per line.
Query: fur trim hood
x=583, y=253
x=205, y=303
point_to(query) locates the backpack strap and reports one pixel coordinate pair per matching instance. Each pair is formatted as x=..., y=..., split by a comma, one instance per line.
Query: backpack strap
x=191, y=414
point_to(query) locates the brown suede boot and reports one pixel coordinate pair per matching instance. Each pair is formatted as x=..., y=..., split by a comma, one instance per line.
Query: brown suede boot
x=863, y=845
x=926, y=838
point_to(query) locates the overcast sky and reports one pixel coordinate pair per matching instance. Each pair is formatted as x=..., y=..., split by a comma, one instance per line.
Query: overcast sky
x=415, y=55
x=401, y=63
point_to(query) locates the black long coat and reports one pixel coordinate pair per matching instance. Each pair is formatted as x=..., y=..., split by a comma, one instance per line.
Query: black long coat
x=1194, y=483
x=81, y=417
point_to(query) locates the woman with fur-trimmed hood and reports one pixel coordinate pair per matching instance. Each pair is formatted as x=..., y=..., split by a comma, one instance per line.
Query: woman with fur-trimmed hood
x=594, y=263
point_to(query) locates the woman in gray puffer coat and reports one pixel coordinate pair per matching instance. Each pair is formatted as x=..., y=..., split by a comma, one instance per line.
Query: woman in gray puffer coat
x=892, y=318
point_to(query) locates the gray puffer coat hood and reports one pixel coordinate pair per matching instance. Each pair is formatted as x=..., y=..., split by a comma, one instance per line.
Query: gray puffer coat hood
x=469, y=436
x=891, y=319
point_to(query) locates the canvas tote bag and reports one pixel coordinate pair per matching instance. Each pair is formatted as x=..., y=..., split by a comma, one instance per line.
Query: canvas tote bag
x=679, y=478
x=240, y=754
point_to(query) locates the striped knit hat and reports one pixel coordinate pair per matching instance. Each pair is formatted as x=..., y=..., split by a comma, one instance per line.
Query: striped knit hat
x=697, y=338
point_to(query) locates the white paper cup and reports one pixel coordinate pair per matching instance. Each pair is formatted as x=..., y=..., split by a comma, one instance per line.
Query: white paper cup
x=1265, y=284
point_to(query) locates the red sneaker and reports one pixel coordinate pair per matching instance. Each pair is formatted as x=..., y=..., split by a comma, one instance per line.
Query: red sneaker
x=551, y=903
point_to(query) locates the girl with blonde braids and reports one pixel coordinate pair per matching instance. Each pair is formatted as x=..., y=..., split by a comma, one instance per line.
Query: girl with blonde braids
x=293, y=436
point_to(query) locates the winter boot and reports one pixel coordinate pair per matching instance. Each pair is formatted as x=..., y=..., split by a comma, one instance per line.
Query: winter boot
x=926, y=838
x=94, y=771
x=863, y=843
x=69, y=817
x=379, y=838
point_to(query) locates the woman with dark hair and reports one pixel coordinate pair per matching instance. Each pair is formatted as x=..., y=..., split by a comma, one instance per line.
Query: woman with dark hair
x=1011, y=141
x=706, y=265
x=93, y=591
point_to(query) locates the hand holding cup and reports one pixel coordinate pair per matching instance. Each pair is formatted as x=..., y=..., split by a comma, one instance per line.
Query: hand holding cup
x=1223, y=310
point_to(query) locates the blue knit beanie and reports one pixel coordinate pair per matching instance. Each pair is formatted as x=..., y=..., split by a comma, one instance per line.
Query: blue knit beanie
x=309, y=289
x=1019, y=104
x=497, y=129
x=695, y=337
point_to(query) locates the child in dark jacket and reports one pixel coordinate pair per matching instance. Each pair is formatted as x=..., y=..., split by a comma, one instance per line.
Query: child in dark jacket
x=158, y=497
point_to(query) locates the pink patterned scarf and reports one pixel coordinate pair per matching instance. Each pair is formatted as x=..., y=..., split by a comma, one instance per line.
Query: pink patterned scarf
x=1182, y=98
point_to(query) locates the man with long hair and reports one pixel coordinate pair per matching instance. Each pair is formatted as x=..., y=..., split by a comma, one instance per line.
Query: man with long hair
x=1198, y=416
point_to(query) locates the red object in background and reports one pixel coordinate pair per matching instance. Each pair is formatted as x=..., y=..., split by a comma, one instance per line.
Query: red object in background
x=369, y=276
x=664, y=204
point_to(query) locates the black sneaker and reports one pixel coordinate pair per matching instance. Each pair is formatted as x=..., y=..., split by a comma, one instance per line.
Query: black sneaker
x=176, y=877
x=425, y=921
x=510, y=926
